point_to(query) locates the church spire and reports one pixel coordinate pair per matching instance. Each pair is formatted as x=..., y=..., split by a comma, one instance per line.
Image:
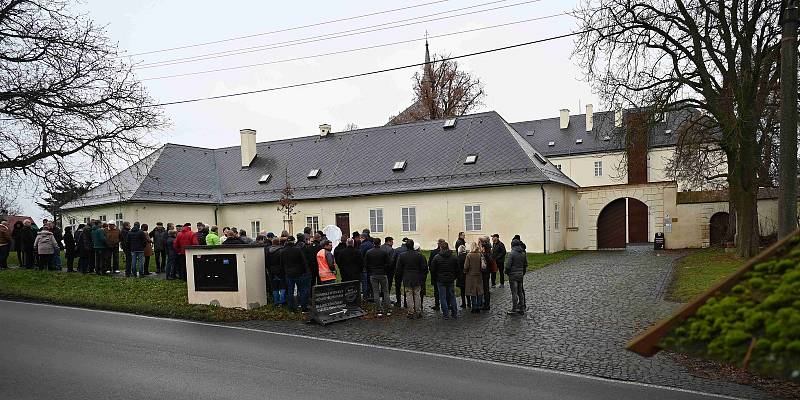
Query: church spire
x=427, y=74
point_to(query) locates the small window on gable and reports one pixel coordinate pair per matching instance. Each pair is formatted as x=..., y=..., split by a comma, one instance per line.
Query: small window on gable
x=551, y=143
x=471, y=159
x=539, y=158
x=399, y=166
x=578, y=141
x=449, y=123
x=264, y=178
x=314, y=173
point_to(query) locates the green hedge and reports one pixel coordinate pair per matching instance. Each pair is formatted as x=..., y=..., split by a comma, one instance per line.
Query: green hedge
x=763, y=306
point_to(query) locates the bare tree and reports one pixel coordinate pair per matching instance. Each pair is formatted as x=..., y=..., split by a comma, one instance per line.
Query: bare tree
x=717, y=57
x=9, y=206
x=442, y=90
x=68, y=105
x=287, y=204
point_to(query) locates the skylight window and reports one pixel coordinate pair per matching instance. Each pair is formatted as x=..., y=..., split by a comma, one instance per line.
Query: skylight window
x=578, y=141
x=531, y=132
x=399, y=166
x=606, y=138
x=264, y=178
x=471, y=159
x=449, y=123
x=668, y=131
x=314, y=173
x=551, y=143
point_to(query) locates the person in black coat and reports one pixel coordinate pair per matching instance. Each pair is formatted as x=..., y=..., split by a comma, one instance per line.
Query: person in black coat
x=461, y=280
x=377, y=263
x=298, y=274
x=445, y=267
x=350, y=262
x=16, y=237
x=499, y=255
x=27, y=238
x=433, y=254
x=69, y=248
x=413, y=267
x=276, y=281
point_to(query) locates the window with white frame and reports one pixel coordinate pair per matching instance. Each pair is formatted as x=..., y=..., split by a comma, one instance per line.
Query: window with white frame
x=73, y=221
x=472, y=218
x=86, y=220
x=558, y=166
x=312, y=221
x=598, y=168
x=102, y=218
x=556, y=216
x=572, y=222
x=118, y=217
x=376, y=220
x=255, y=227
x=409, y=219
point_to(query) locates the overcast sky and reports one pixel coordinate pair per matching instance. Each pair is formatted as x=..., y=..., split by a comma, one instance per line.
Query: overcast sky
x=525, y=83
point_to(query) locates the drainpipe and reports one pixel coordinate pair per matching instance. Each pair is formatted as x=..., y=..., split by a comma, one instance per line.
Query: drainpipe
x=544, y=220
x=216, y=207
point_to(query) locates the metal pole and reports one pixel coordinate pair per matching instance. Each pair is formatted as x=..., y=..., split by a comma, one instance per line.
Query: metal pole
x=787, y=175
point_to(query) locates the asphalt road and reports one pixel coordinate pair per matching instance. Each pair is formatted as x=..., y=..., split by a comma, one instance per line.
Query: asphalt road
x=49, y=352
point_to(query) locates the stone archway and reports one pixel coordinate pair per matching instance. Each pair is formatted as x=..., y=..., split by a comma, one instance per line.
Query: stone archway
x=651, y=195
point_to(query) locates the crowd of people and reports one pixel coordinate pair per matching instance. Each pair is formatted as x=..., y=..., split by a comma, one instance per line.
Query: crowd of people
x=293, y=263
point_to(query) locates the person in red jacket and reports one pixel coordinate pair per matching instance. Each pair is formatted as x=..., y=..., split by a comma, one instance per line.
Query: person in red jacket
x=185, y=238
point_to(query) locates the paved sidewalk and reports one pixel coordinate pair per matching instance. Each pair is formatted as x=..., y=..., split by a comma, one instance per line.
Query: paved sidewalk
x=581, y=313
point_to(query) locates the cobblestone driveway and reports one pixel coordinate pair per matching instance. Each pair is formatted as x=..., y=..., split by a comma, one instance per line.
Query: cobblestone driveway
x=581, y=313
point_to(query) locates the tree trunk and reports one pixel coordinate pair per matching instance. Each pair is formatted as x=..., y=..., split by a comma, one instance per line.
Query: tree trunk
x=743, y=192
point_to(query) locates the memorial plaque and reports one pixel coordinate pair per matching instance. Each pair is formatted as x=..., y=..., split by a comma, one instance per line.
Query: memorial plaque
x=215, y=273
x=336, y=302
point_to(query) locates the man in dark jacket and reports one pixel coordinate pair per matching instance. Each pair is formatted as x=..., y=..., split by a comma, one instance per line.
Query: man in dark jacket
x=298, y=275
x=87, y=249
x=459, y=242
x=433, y=254
x=276, y=276
x=499, y=255
x=388, y=247
x=123, y=241
x=413, y=267
x=398, y=275
x=377, y=263
x=445, y=267
x=136, y=241
x=310, y=250
x=159, y=237
x=201, y=233
x=516, y=266
x=27, y=238
x=350, y=262
x=99, y=248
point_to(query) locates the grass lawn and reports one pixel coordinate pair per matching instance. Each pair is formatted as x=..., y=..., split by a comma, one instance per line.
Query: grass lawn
x=147, y=296
x=700, y=270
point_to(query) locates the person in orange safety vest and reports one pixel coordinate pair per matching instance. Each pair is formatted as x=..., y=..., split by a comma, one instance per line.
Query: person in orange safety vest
x=327, y=266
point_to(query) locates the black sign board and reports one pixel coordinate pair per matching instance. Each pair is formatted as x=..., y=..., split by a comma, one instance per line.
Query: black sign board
x=658, y=242
x=336, y=302
x=215, y=273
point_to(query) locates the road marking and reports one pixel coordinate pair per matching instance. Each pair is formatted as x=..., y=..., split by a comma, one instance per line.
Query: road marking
x=387, y=348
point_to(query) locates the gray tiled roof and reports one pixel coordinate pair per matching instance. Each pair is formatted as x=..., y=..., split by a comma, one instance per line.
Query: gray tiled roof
x=540, y=132
x=353, y=163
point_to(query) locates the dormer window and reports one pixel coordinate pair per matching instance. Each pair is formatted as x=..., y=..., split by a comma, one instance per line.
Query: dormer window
x=578, y=141
x=449, y=123
x=551, y=143
x=314, y=173
x=399, y=166
x=471, y=159
x=264, y=178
